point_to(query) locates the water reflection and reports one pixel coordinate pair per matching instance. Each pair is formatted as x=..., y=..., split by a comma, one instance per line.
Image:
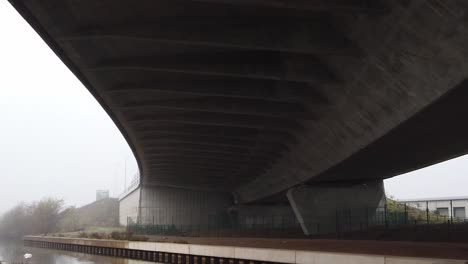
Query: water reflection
x=13, y=252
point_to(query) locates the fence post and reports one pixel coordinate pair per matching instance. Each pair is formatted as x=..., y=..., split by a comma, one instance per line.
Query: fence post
x=337, y=227
x=367, y=218
x=192, y=222
x=282, y=225
x=451, y=212
x=272, y=226
x=427, y=212
x=350, y=220
x=263, y=226
x=385, y=215
x=406, y=215
x=217, y=223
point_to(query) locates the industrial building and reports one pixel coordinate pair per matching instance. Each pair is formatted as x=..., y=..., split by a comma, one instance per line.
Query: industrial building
x=451, y=207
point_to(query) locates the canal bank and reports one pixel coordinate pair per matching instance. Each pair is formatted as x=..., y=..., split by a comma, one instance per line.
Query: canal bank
x=203, y=254
x=12, y=252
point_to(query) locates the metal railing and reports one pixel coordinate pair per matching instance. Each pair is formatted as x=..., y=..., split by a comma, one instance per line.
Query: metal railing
x=190, y=222
x=134, y=184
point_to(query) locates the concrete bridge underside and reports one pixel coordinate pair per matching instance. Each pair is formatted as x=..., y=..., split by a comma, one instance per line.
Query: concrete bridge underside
x=252, y=98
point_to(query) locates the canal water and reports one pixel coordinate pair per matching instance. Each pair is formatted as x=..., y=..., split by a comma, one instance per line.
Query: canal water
x=13, y=253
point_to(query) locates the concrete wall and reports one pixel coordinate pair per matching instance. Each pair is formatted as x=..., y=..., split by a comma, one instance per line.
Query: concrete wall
x=274, y=216
x=319, y=209
x=179, y=207
x=173, y=206
x=311, y=208
x=128, y=207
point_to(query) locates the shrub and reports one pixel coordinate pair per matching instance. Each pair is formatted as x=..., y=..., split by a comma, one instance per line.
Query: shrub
x=117, y=235
x=82, y=235
x=97, y=235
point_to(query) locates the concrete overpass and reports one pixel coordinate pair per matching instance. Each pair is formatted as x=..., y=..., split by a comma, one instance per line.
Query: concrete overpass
x=229, y=102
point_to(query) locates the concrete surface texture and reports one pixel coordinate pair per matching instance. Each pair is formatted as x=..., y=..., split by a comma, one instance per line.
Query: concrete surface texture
x=174, y=206
x=252, y=98
x=128, y=207
x=282, y=255
x=316, y=207
x=277, y=216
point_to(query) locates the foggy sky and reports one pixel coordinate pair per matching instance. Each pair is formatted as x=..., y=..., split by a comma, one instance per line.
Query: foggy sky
x=56, y=140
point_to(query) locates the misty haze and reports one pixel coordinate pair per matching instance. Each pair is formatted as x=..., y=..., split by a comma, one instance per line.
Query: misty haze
x=237, y=120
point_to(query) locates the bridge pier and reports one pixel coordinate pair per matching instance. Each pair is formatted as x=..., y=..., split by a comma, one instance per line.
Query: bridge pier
x=181, y=207
x=325, y=208
x=328, y=209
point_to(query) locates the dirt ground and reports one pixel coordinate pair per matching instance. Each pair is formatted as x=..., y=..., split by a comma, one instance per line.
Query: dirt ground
x=394, y=248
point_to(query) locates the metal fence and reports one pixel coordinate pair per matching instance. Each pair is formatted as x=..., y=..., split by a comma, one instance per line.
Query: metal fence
x=193, y=222
x=335, y=222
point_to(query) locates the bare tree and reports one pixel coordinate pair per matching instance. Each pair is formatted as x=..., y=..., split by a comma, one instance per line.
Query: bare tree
x=46, y=214
x=35, y=218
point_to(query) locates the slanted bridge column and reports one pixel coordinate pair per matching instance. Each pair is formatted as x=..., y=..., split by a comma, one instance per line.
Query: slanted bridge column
x=328, y=209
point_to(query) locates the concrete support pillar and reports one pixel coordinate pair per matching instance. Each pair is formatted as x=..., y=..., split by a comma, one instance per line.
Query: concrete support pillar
x=328, y=209
x=181, y=207
x=277, y=217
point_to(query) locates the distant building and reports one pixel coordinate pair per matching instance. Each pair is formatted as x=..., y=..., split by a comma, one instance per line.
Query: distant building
x=448, y=206
x=102, y=194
